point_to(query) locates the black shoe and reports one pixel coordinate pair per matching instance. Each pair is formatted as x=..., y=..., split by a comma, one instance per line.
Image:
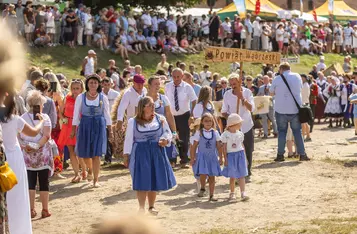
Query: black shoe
x=304, y=158
x=279, y=158
x=265, y=136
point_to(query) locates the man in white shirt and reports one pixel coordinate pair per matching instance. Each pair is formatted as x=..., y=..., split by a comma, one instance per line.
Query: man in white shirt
x=181, y=95
x=305, y=45
x=171, y=25
x=257, y=32
x=347, y=38
x=205, y=26
x=286, y=111
x=154, y=23
x=249, y=30
x=205, y=76
x=146, y=20
x=264, y=91
x=321, y=65
x=129, y=100
x=111, y=94
x=240, y=100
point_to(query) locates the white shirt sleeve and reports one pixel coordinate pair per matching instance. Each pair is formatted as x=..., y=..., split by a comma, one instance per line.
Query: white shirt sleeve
x=198, y=110
x=77, y=110
x=20, y=123
x=166, y=101
x=124, y=103
x=249, y=97
x=107, y=117
x=191, y=93
x=196, y=136
x=129, y=137
x=218, y=137
x=224, y=137
x=167, y=134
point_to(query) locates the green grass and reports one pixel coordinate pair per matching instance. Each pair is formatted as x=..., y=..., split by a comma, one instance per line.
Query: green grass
x=68, y=61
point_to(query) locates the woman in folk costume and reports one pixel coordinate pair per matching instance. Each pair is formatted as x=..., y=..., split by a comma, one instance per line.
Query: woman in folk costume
x=146, y=137
x=162, y=107
x=346, y=90
x=92, y=117
x=333, y=107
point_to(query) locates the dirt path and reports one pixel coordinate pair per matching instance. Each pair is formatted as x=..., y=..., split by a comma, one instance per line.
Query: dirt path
x=284, y=196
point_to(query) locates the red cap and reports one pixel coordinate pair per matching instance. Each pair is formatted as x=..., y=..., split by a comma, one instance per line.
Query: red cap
x=139, y=79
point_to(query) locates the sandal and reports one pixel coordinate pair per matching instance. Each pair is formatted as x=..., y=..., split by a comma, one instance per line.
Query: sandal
x=76, y=179
x=33, y=213
x=45, y=213
x=90, y=177
x=153, y=211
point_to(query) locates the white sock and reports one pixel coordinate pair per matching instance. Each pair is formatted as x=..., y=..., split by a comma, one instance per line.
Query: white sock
x=243, y=194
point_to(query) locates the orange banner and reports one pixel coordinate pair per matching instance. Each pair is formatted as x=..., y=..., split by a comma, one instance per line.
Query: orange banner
x=221, y=54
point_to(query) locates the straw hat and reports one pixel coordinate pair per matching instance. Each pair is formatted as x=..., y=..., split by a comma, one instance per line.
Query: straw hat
x=234, y=119
x=196, y=123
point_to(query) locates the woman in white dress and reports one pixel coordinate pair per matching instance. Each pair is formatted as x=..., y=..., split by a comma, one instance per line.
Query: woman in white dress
x=333, y=107
x=354, y=39
x=88, y=26
x=18, y=203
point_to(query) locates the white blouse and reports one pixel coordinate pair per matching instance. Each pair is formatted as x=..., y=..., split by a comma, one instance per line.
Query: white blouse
x=78, y=109
x=153, y=125
x=198, y=110
x=234, y=141
x=207, y=134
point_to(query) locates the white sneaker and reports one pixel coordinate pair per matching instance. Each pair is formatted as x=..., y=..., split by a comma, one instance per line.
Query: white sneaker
x=232, y=197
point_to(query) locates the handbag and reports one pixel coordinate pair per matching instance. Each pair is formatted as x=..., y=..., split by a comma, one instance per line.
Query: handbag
x=305, y=113
x=7, y=176
x=54, y=147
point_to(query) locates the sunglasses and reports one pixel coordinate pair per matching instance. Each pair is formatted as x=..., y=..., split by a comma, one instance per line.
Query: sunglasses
x=76, y=81
x=249, y=80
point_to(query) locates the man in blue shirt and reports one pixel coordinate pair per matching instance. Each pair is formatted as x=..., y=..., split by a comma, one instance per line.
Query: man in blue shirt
x=286, y=110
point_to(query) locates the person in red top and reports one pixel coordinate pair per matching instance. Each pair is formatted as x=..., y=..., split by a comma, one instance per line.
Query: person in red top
x=112, y=24
x=42, y=39
x=238, y=27
x=65, y=137
x=314, y=93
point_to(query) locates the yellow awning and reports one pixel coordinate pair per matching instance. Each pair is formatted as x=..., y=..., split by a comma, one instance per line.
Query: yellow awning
x=341, y=11
x=267, y=9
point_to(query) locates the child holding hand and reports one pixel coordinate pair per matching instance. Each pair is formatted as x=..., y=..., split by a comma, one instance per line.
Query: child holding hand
x=235, y=164
x=205, y=161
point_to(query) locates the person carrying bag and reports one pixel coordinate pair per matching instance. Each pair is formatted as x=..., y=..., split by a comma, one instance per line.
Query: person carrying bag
x=305, y=113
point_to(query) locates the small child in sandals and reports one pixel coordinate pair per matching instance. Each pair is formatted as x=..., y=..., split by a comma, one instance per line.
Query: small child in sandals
x=205, y=162
x=235, y=164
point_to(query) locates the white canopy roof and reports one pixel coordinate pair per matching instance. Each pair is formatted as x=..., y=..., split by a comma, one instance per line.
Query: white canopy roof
x=283, y=14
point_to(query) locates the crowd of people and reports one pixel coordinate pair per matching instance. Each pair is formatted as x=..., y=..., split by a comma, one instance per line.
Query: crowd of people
x=125, y=32
x=151, y=122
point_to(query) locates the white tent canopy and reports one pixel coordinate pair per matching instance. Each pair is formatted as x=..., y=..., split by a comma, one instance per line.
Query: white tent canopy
x=283, y=14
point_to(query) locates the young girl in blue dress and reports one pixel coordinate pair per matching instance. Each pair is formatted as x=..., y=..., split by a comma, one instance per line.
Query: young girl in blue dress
x=235, y=164
x=147, y=135
x=205, y=161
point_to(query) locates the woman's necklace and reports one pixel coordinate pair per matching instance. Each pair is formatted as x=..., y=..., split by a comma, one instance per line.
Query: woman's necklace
x=92, y=96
